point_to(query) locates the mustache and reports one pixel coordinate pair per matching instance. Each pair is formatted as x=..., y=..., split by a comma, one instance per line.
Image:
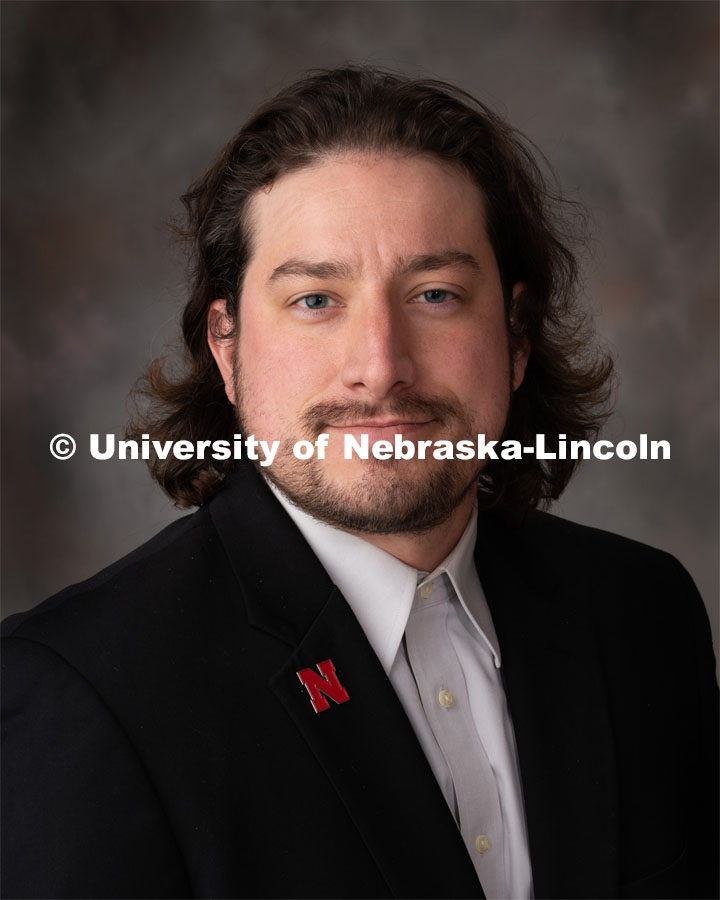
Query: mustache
x=348, y=412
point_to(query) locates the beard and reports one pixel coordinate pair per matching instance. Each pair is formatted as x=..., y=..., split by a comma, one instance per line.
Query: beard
x=391, y=496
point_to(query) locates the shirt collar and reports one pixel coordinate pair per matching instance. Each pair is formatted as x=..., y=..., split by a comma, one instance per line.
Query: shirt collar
x=380, y=589
x=459, y=565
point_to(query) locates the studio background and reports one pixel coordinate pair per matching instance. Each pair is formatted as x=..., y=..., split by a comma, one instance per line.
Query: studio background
x=111, y=109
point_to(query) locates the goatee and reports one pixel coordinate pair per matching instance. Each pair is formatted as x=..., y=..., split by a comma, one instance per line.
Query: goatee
x=388, y=496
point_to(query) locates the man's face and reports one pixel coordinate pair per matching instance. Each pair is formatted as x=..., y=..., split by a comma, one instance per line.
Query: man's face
x=372, y=303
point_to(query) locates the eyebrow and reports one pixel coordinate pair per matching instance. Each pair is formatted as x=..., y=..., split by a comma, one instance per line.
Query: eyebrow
x=431, y=262
x=338, y=270
x=298, y=267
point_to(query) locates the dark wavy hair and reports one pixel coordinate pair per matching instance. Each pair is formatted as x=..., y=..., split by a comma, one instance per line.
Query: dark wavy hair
x=566, y=388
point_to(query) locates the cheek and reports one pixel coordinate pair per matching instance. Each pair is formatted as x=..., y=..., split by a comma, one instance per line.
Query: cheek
x=269, y=384
x=281, y=372
x=475, y=364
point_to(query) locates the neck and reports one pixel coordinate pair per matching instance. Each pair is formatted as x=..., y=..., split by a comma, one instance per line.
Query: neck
x=426, y=550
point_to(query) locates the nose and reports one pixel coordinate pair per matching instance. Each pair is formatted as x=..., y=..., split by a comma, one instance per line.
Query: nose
x=378, y=360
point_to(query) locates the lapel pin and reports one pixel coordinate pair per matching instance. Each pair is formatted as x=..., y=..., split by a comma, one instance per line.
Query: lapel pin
x=324, y=685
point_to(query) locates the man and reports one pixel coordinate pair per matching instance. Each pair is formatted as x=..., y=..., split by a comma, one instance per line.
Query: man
x=348, y=677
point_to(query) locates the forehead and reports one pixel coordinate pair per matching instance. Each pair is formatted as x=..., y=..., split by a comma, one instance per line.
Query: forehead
x=367, y=208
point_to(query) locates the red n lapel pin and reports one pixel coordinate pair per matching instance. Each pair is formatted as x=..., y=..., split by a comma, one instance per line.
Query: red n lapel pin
x=326, y=683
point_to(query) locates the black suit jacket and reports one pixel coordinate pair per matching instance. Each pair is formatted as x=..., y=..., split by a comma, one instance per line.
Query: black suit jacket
x=158, y=742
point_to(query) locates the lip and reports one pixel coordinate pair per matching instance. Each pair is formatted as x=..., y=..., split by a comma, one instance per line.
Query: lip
x=382, y=429
x=383, y=423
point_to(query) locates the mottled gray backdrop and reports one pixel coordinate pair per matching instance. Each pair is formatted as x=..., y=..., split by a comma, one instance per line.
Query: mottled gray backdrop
x=111, y=109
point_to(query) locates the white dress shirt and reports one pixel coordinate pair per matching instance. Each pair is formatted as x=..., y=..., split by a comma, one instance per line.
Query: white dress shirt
x=434, y=636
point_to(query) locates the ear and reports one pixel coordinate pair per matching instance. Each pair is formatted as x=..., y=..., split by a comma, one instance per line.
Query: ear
x=222, y=348
x=521, y=352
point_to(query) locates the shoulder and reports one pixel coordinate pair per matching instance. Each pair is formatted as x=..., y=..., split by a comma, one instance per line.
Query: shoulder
x=154, y=580
x=612, y=580
x=157, y=611
x=77, y=717
x=144, y=637
x=582, y=550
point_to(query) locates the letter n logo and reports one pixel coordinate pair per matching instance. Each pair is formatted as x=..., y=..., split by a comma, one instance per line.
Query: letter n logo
x=326, y=683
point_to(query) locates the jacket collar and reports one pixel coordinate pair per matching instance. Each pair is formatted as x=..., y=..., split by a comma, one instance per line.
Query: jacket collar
x=283, y=584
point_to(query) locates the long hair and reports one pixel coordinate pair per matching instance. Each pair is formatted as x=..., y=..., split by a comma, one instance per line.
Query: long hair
x=567, y=381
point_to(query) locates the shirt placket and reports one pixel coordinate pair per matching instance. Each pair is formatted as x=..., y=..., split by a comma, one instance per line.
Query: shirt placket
x=444, y=696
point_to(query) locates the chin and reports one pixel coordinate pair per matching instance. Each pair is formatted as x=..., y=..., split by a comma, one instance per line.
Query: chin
x=378, y=497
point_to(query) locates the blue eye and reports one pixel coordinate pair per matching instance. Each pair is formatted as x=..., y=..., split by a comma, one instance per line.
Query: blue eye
x=440, y=297
x=315, y=301
x=436, y=296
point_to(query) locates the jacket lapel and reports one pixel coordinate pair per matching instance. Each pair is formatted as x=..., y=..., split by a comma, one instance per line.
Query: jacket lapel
x=366, y=746
x=370, y=754
x=556, y=696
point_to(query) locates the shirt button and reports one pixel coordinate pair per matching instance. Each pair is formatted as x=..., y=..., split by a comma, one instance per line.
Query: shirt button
x=482, y=843
x=446, y=699
x=426, y=590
